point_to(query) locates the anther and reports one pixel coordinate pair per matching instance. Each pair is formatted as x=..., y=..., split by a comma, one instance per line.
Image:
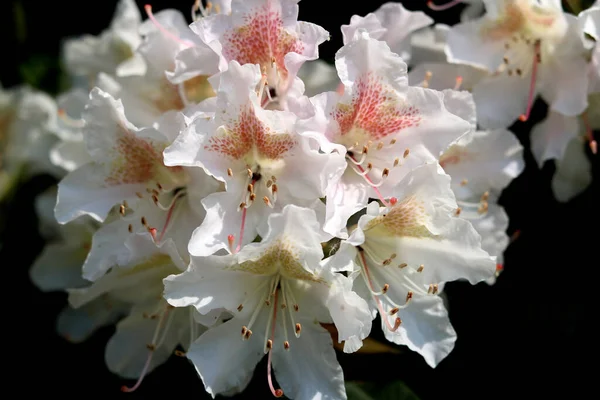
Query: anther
x=396, y=161
x=151, y=347
x=458, y=84
x=143, y=220
x=458, y=211
x=122, y=209
x=421, y=268
x=464, y=182
x=385, y=173
x=240, y=307
x=406, y=152
x=269, y=344
x=180, y=353
x=298, y=328
x=409, y=296
x=130, y=228
x=286, y=345
x=385, y=288
x=229, y=172
x=403, y=265
x=394, y=311
x=379, y=145
x=483, y=207
x=230, y=240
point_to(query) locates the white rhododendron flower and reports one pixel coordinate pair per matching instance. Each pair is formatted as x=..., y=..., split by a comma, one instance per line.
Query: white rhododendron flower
x=27, y=131
x=481, y=165
x=530, y=47
x=263, y=32
x=125, y=162
x=149, y=94
x=259, y=156
x=564, y=139
x=151, y=329
x=278, y=293
x=400, y=254
x=379, y=126
x=89, y=55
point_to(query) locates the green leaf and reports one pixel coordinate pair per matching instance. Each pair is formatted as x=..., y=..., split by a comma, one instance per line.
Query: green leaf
x=397, y=390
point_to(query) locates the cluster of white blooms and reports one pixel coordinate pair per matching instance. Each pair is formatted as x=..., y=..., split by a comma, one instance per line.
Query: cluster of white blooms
x=227, y=196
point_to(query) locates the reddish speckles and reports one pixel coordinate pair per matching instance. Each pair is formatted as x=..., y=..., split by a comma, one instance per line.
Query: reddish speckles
x=375, y=110
x=136, y=160
x=261, y=40
x=248, y=133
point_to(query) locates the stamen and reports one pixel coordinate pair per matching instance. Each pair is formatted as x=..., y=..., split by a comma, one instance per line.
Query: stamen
x=425, y=83
x=241, y=237
x=269, y=346
x=151, y=346
x=433, y=288
x=536, y=61
x=170, y=214
x=274, y=192
x=443, y=7
x=362, y=172
x=398, y=321
x=164, y=30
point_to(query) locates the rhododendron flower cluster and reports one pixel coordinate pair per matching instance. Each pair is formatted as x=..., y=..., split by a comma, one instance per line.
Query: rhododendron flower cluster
x=227, y=196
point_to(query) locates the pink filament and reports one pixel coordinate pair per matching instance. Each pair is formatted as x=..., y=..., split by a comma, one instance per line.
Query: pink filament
x=376, y=189
x=164, y=30
x=536, y=60
x=239, y=245
x=443, y=7
x=379, y=305
x=276, y=392
x=148, y=361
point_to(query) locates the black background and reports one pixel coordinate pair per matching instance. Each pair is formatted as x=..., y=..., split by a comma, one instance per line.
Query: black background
x=528, y=335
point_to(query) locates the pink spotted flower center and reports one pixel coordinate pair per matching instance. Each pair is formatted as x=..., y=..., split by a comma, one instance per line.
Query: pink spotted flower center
x=263, y=40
